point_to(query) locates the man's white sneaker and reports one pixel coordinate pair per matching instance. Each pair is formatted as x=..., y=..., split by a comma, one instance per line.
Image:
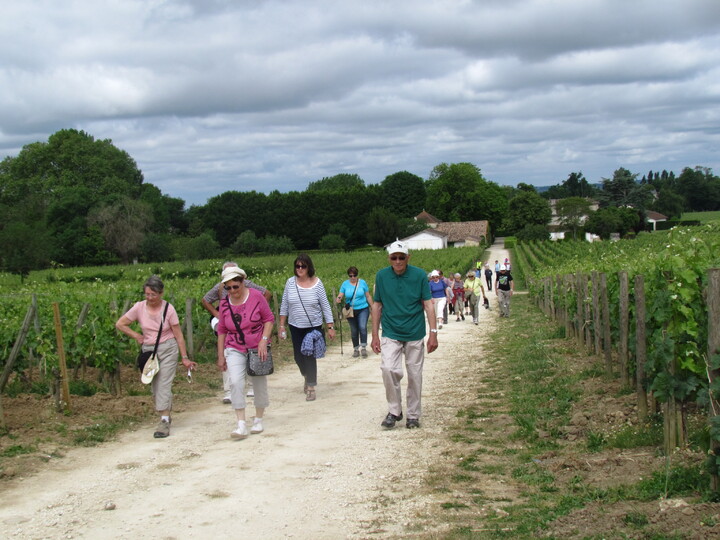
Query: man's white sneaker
x=250, y=392
x=226, y=397
x=241, y=432
x=257, y=426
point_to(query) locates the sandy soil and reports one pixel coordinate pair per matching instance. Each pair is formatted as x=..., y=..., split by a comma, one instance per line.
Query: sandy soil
x=324, y=469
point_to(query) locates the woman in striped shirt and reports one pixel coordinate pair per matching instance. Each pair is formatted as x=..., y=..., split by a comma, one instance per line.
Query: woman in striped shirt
x=303, y=308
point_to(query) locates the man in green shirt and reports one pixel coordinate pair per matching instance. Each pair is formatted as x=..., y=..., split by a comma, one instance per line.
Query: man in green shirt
x=402, y=301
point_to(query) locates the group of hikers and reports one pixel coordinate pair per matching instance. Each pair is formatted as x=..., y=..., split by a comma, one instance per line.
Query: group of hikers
x=407, y=305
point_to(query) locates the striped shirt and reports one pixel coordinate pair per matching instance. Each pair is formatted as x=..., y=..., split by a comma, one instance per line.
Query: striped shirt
x=296, y=301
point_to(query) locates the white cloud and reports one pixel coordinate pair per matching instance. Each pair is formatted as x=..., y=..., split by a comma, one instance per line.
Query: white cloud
x=209, y=96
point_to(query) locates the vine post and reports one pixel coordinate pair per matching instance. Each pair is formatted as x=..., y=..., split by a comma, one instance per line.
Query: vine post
x=580, y=301
x=588, y=319
x=623, y=327
x=713, y=371
x=640, y=347
x=567, y=294
x=607, y=345
x=597, y=318
x=64, y=383
x=189, y=328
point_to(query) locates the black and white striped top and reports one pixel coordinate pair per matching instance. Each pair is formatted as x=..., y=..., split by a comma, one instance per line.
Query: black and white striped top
x=314, y=300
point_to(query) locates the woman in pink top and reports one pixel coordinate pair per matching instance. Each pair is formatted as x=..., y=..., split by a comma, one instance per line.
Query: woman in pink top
x=149, y=315
x=245, y=322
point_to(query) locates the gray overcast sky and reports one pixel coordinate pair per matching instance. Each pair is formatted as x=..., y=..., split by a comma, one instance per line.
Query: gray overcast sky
x=215, y=95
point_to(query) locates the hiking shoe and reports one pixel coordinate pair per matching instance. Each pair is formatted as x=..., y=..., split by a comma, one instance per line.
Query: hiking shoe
x=162, y=430
x=390, y=420
x=250, y=392
x=356, y=353
x=257, y=426
x=363, y=352
x=226, y=398
x=412, y=423
x=241, y=432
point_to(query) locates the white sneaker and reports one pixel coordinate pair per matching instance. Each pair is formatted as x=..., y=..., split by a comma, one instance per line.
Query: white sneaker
x=257, y=426
x=250, y=392
x=226, y=398
x=241, y=432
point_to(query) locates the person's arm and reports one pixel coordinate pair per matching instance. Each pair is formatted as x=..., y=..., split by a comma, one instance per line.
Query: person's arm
x=177, y=332
x=376, y=314
x=432, y=342
x=369, y=299
x=208, y=301
x=123, y=324
x=221, y=362
x=210, y=308
x=265, y=339
x=268, y=295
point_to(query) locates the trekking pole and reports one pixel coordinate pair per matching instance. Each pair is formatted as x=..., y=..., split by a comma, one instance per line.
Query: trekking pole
x=339, y=312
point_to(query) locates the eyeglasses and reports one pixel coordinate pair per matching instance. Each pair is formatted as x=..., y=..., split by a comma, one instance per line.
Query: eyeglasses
x=231, y=287
x=352, y=275
x=398, y=258
x=301, y=266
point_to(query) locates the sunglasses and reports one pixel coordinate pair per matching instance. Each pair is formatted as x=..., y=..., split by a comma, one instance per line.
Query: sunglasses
x=301, y=266
x=231, y=287
x=352, y=275
x=398, y=258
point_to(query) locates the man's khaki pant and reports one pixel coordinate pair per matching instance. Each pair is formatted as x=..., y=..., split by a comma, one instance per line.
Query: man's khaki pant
x=392, y=352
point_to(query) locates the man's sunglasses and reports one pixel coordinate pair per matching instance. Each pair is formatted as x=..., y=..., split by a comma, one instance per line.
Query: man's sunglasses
x=398, y=258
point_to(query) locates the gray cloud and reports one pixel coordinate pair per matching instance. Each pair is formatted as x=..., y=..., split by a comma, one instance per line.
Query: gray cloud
x=210, y=96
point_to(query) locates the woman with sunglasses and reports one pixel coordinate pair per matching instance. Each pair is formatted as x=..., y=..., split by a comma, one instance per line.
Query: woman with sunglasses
x=303, y=308
x=357, y=294
x=245, y=322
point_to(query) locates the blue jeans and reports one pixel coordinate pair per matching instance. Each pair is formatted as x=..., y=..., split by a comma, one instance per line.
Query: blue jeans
x=358, y=327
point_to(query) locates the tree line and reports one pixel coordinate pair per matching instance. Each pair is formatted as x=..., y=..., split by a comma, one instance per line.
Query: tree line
x=78, y=201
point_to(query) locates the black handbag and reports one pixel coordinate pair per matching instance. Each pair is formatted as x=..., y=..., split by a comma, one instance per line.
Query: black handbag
x=257, y=367
x=144, y=356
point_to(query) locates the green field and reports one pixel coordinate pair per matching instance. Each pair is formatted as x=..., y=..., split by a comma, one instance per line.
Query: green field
x=700, y=216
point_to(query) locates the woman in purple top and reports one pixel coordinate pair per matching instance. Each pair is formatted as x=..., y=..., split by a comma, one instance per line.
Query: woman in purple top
x=438, y=290
x=245, y=322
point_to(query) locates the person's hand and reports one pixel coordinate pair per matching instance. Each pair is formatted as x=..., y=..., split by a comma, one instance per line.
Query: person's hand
x=432, y=342
x=189, y=364
x=221, y=363
x=331, y=333
x=139, y=339
x=282, y=333
x=375, y=345
x=262, y=349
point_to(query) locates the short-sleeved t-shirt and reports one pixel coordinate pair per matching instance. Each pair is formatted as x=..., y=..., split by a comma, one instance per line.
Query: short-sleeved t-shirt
x=151, y=323
x=348, y=289
x=402, y=296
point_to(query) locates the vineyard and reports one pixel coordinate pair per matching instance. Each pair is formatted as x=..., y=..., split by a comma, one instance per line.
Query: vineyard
x=649, y=306
x=90, y=300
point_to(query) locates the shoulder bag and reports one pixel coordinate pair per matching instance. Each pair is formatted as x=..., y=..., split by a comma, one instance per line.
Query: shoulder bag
x=347, y=311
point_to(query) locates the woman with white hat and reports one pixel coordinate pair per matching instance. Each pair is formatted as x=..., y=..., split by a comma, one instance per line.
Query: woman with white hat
x=245, y=323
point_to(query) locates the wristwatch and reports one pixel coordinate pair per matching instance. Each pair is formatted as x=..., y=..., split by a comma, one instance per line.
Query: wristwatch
x=433, y=330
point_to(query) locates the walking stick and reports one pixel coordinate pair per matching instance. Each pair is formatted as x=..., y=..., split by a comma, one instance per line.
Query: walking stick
x=339, y=311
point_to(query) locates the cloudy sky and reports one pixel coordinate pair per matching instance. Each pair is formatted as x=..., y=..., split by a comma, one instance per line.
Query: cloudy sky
x=215, y=95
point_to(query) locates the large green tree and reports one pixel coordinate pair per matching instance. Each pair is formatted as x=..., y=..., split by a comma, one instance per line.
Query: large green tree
x=572, y=213
x=526, y=208
x=623, y=190
x=404, y=194
x=458, y=192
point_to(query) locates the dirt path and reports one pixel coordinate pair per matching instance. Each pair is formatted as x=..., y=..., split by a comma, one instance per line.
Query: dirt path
x=324, y=469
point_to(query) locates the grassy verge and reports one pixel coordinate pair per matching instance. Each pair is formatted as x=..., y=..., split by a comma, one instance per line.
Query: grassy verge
x=513, y=446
